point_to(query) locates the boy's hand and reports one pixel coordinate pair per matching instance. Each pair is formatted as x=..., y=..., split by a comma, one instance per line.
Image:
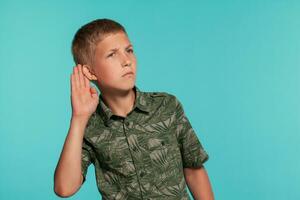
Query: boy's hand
x=84, y=98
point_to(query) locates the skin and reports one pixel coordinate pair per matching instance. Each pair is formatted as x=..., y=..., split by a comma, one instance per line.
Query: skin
x=107, y=69
x=198, y=182
x=84, y=99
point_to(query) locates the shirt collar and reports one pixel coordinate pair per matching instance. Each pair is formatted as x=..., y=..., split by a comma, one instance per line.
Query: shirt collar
x=141, y=102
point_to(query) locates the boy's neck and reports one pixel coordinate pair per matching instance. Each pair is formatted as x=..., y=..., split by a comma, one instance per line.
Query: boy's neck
x=120, y=104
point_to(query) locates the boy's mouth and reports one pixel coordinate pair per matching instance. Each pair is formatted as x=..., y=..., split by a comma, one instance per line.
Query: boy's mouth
x=128, y=73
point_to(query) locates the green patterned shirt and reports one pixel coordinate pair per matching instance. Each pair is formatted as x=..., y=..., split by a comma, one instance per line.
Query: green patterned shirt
x=142, y=155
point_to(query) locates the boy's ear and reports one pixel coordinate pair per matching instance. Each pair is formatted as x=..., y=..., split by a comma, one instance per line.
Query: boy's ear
x=86, y=70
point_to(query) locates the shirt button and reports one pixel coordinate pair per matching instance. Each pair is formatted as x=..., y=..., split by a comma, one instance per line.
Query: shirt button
x=127, y=123
x=134, y=148
x=142, y=174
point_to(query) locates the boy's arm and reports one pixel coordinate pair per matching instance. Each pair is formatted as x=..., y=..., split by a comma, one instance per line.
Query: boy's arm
x=198, y=183
x=193, y=156
x=68, y=176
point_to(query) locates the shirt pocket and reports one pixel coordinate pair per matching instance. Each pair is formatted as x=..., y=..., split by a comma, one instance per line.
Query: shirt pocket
x=114, y=160
x=165, y=156
x=103, y=151
x=164, y=152
x=107, y=149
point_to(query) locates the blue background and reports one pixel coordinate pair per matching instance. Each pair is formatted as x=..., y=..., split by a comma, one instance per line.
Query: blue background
x=233, y=64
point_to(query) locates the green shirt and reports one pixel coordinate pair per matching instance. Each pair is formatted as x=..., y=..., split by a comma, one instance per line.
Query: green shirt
x=142, y=155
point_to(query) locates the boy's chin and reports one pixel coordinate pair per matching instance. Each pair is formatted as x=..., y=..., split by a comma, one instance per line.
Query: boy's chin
x=127, y=87
x=120, y=88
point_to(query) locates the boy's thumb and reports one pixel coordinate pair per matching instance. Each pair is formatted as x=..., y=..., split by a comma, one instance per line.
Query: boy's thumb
x=94, y=92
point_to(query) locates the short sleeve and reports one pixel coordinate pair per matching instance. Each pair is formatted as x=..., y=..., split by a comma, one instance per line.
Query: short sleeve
x=192, y=151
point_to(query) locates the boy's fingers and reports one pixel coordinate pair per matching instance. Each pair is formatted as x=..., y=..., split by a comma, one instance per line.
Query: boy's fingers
x=72, y=82
x=76, y=78
x=85, y=79
x=87, y=82
x=93, y=90
x=81, y=80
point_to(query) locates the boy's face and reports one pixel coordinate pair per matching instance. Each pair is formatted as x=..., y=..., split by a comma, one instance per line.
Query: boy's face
x=114, y=58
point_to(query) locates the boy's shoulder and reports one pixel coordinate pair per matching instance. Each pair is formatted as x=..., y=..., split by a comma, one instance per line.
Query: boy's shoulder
x=160, y=100
x=159, y=96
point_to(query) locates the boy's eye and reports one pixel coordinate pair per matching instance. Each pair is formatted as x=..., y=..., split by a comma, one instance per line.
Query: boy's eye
x=130, y=50
x=111, y=54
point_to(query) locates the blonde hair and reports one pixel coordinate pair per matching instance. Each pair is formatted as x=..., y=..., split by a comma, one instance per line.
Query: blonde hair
x=89, y=35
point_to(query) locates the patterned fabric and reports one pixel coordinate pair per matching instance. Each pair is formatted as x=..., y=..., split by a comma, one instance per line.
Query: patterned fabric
x=142, y=155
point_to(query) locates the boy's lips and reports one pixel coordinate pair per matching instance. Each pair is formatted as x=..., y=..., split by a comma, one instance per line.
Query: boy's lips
x=128, y=73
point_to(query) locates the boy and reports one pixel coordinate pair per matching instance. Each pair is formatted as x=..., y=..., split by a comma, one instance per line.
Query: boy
x=141, y=143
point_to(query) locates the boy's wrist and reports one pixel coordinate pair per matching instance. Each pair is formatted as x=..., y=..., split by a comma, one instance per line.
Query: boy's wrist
x=79, y=121
x=80, y=117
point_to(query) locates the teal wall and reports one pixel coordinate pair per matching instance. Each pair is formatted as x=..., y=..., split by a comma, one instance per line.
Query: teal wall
x=235, y=65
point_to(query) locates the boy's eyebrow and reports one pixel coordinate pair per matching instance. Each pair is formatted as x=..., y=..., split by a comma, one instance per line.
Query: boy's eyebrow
x=115, y=49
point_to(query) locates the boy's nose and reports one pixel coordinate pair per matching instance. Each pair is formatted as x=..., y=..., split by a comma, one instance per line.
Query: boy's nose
x=126, y=61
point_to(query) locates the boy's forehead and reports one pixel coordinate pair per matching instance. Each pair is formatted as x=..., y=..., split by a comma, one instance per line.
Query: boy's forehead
x=112, y=41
